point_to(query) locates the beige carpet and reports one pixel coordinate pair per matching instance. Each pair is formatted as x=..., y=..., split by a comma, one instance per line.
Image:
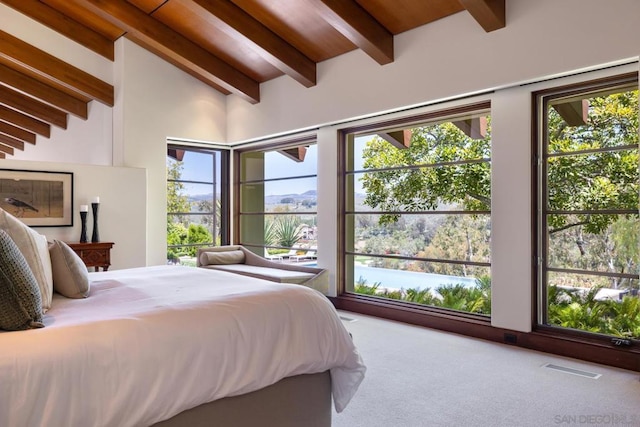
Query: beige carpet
x=422, y=377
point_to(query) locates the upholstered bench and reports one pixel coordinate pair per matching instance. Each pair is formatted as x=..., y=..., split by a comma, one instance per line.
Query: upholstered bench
x=237, y=259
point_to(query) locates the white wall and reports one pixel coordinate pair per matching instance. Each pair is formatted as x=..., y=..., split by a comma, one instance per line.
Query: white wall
x=448, y=58
x=88, y=142
x=327, y=206
x=155, y=101
x=121, y=216
x=511, y=257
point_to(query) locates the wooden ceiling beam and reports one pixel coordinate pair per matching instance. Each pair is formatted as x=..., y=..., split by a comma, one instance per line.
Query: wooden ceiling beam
x=242, y=27
x=12, y=142
x=26, y=122
x=44, y=92
x=16, y=132
x=362, y=29
x=475, y=128
x=490, y=14
x=32, y=107
x=3, y=156
x=48, y=69
x=399, y=139
x=6, y=149
x=64, y=25
x=575, y=113
x=158, y=38
x=175, y=153
x=297, y=154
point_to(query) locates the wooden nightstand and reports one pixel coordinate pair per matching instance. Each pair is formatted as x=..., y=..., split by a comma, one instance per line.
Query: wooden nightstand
x=94, y=255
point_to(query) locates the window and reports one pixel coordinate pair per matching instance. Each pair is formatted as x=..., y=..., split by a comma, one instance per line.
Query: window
x=197, y=202
x=588, y=202
x=277, y=196
x=417, y=218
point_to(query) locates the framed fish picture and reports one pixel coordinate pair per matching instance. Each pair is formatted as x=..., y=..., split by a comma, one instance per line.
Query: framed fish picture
x=38, y=198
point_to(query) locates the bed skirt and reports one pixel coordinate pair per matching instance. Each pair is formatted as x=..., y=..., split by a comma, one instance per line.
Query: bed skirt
x=302, y=400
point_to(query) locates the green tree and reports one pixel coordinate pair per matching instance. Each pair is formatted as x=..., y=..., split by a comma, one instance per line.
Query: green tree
x=460, y=237
x=176, y=235
x=206, y=206
x=180, y=231
x=427, y=188
x=176, y=201
x=594, y=180
x=197, y=234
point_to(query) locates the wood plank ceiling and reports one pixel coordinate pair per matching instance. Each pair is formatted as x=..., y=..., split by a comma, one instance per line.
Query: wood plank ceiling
x=231, y=45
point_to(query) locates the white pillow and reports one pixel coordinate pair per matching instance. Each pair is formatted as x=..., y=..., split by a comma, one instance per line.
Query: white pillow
x=35, y=249
x=70, y=275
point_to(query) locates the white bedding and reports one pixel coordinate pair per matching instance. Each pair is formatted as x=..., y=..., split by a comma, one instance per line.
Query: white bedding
x=152, y=342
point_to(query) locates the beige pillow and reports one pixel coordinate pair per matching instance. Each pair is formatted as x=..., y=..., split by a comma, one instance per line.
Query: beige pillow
x=222, y=257
x=35, y=249
x=70, y=275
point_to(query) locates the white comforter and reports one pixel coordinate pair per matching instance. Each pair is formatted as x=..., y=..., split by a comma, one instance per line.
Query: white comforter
x=151, y=342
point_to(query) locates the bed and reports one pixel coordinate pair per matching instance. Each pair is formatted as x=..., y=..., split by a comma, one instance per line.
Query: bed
x=174, y=346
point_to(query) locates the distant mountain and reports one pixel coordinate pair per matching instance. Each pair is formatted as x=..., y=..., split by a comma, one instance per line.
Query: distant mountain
x=277, y=199
x=198, y=197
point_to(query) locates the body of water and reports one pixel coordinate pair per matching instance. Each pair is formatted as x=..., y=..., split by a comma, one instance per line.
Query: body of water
x=396, y=279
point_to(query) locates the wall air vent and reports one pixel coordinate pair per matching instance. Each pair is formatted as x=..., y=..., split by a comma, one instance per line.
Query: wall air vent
x=572, y=371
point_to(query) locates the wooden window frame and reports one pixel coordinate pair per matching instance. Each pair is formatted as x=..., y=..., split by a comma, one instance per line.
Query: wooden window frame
x=237, y=162
x=225, y=204
x=540, y=101
x=425, y=315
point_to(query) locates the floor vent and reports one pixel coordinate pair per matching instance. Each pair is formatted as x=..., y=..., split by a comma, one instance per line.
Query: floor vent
x=347, y=319
x=572, y=371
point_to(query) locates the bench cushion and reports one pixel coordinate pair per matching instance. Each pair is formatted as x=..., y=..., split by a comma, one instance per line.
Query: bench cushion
x=267, y=273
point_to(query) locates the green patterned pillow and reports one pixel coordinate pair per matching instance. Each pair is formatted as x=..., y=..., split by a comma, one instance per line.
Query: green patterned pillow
x=20, y=299
x=35, y=249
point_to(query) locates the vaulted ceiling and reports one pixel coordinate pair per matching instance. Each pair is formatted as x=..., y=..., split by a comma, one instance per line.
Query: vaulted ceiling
x=231, y=45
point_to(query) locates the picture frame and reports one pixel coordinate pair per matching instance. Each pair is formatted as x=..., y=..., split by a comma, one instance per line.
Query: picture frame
x=38, y=198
